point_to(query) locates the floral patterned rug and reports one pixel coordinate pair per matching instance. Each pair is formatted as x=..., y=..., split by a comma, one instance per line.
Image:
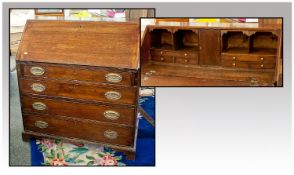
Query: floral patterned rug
x=59, y=153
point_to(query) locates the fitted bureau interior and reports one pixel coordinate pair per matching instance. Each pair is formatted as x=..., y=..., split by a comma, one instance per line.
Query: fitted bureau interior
x=249, y=54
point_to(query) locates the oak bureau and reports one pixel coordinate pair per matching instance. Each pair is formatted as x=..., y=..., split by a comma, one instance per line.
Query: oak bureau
x=211, y=54
x=78, y=81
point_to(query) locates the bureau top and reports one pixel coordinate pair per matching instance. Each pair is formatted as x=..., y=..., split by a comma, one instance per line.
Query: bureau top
x=217, y=25
x=93, y=43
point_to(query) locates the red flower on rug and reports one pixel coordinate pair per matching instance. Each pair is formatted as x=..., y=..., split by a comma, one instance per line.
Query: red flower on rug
x=108, y=160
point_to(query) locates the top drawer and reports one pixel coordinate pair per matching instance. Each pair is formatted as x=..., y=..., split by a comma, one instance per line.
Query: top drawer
x=76, y=72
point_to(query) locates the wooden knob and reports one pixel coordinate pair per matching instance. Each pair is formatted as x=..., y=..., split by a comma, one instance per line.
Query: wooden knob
x=186, y=61
x=261, y=59
x=234, y=58
x=161, y=53
x=161, y=58
x=261, y=65
x=186, y=54
x=234, y=64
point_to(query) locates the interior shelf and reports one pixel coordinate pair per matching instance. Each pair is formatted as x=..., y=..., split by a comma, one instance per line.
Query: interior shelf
x=264, y=43
x=186, y=40
x=162, y=39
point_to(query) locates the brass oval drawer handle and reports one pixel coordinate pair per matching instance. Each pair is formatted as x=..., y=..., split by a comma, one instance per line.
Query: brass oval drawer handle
x=38, y=87
x=38, y=71
x=113, y=77
x=110, y=134
x=111, y=115
x=113, y=95
x=39, y=106
x=41, y=124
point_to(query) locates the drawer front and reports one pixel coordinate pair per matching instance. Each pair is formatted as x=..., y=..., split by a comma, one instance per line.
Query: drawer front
x=105, y=113
x=66, y=127
x=183, y=60
x=247, y=65
x=165, y=59
x=80, y=73
x=250, y=58
x=183, y=54
x=164, y=53
x=116, y=95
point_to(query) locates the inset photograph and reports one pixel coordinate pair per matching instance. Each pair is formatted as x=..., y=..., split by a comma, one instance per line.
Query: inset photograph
x=212, y=52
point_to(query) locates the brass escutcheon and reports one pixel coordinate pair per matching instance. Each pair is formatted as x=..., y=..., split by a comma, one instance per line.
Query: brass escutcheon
x=38, y=71
x=111, y=115
x=113, y=77
x=110, y=134
x=41, y=124
x=39, y=106
x=38, y=87
x=113, y=95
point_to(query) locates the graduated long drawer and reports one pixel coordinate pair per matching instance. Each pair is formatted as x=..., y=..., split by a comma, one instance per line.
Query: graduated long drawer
x=106, y=113
x=80, y=90
x=83, y=129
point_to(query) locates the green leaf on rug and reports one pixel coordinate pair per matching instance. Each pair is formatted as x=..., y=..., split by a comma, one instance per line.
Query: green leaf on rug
x=90, y=157
x=90, y=163
x=118, y=157
x=57, y=141
x=79, y=161
x=101, y=154
x=79, y=150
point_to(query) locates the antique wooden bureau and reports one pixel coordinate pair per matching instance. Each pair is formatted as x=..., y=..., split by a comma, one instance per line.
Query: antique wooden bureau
x=211, y=54
x=78, y=81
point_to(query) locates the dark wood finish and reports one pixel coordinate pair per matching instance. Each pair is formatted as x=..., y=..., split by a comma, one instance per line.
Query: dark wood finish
x=212, y=54
x=209, y=47
x=79, y=81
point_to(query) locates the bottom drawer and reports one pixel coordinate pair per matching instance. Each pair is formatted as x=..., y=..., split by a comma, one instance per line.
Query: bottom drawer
x=67, y=127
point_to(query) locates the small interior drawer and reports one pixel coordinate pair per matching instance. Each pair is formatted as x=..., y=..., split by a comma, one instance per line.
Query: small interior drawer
x=251, y=58
x=165, y=59
x=187, y=60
